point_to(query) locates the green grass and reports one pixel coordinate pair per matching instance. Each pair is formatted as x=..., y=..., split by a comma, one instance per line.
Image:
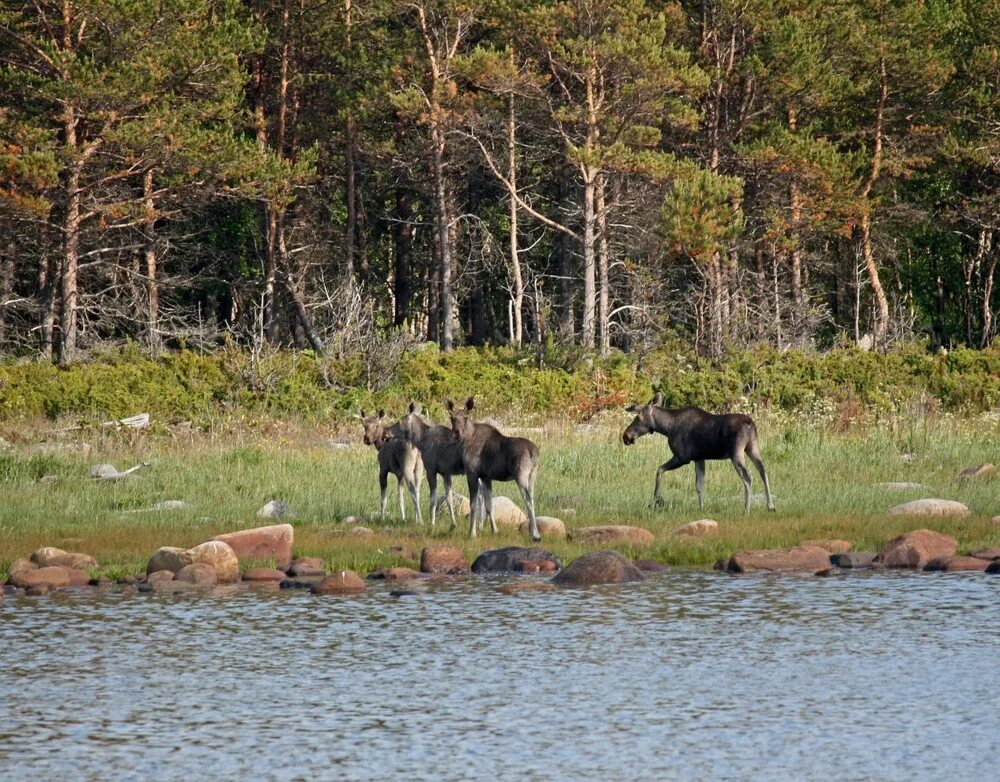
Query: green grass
x=825, y=486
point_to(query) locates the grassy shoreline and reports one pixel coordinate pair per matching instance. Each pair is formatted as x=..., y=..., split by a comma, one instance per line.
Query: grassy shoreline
x=826, y=485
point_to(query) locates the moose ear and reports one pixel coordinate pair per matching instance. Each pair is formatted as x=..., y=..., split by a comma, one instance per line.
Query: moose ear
x=381, y=414
x=657, y=400
x=469, y=403
x=450, y=405
x=413, y=407
x=361, y=414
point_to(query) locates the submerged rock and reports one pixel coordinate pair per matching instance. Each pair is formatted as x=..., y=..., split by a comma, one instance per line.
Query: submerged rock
x=599, y=567
x=443, y=559
x=346, y=581
x=516, y=559
x=798, y=559
x=307, y=566
x=649, y=566
x=263, y=544
x=993, y=567
x=51, y=577
x=915, y=549
x=929, y=507
x=525, y=587
x=610, y=534
x=957, y=564
x=159, y=575
x=395, y=574
x=304, y=582
x=854, y=559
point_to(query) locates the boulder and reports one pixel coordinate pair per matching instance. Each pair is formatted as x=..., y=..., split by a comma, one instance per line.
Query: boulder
x=53, y=577
x=598, y=567
x=442, y=559
x=344, y=582
x=19, y=566
x=853, y=559
x=515, y=559
x=995, y=521
x=798, y=559
x=506, y=513
x=649, y=566
x=262, y=544
x=957, y=564
x=276, y=509
x=929, y=507
x=915, y=549
x=612, y=534
x=991, y=553
x=130, y=579
x=402, y=551
x=168, y=558
x=307, y=566
x=264, y=575
x=993, y=567
x=978, y=471
x=832, y=546
x=50, y=556
x=353, y=521
x=160, y=575
x=362, y=531
x=548, y=527
x=198, y=573
x=698, y=528
x=220, y=556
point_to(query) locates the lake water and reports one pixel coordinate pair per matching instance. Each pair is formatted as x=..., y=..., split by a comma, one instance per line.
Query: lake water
x=686, y=676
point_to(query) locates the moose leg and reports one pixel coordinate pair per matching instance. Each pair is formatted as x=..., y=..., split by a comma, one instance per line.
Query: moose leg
x=699, y=482
x=413, y=486
x=432, y=484
x=449, y=497
x=399, y=495
x=673, y=464
x=746, y=477
x=759, y=464
x=488, y=503
x=473, y=502
x=383, y=482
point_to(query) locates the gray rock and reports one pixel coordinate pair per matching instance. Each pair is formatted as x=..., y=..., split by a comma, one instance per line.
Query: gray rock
x=854, y=559
x=515, y=559
x=929, y=507
x=276, y=509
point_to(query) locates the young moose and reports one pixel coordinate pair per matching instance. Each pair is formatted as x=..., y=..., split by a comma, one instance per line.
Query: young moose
x=441, y=453
x=490, y=456
x=696, y=436
x=397, y=456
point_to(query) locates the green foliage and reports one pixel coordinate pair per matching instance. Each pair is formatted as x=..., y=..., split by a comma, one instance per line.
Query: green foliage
x=188, y=385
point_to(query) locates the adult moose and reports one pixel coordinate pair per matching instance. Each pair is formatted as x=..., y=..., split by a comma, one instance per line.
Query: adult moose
x=697, y=436
x=441, y=453
x=398, y=456
x=491, y=456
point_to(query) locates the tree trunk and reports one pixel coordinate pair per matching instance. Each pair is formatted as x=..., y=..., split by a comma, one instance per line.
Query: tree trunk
x=71, y=245
x=604, y=297
x=589, y=259
x=152, y=284
x=517, y=327
x=881, y=303
x=443, y=224
x=350, y=184
x=988, y=277
x=402, y=234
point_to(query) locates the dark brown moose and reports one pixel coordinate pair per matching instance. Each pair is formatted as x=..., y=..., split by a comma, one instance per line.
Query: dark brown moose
x=697, y=436
x=491, y=456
